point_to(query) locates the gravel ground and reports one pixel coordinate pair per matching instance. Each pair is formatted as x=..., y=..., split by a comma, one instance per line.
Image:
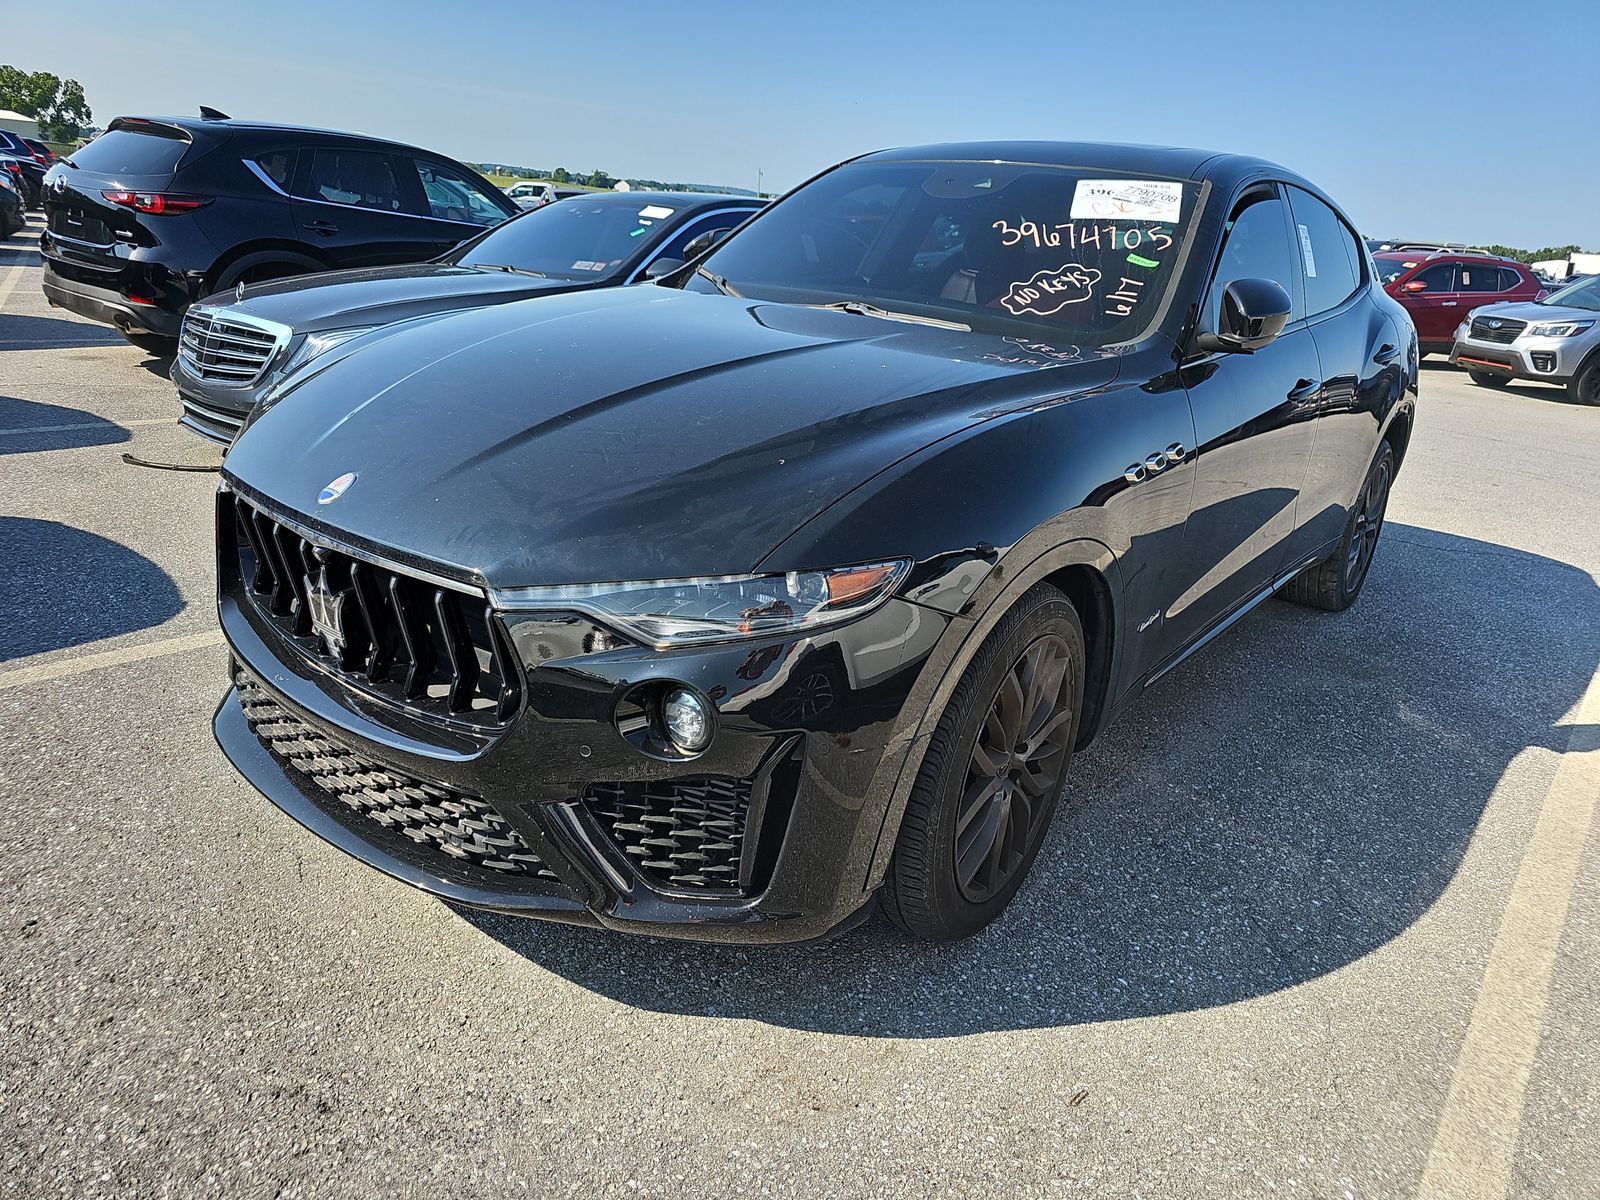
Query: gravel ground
x=1244, y=966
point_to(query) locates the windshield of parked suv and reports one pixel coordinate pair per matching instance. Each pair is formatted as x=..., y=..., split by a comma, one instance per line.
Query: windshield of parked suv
x=1585, y=294
x=574, y=239
x=1079, y=254
x=1390, y=269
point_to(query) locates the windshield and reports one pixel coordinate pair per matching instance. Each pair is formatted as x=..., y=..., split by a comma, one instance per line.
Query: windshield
x=1000, y=247
x=1583, y=294
x=1390, y=269
x=575, y=239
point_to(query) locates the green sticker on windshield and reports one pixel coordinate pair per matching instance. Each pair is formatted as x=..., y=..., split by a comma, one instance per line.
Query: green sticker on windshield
x=1140, y=261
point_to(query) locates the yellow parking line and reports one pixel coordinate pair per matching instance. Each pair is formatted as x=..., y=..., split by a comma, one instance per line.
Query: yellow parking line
x=137, y=421
x=10, y=282
x=1476, y=1142
x=61, y=668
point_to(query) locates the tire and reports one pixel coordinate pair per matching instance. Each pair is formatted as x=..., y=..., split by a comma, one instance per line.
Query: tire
x=941, y=885
x=1488, y=379
x=1335, y=583
x=1584, y=387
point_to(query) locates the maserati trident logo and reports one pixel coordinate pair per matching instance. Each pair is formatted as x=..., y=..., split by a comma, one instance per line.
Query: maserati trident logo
x=326, y=608
x=337, y=488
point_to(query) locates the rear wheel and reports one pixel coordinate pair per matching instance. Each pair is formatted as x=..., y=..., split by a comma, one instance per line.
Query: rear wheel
x=1335, y=582
x=1488, y=379
x=1585, y=385
x=995, y=766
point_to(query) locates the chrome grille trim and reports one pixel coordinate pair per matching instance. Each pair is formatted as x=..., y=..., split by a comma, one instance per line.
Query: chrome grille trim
x=229, y=348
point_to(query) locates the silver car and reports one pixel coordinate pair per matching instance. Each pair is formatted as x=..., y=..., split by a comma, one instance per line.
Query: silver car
x=1554, y=340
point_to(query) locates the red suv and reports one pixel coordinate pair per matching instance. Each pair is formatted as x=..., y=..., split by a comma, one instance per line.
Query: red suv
x=1441, y=288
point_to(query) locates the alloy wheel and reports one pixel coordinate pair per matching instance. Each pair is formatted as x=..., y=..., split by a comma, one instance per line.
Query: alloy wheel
x=1018, y=759
x=1368, y=523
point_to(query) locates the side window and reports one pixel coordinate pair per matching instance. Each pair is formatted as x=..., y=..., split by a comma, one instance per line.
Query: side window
x=1475, y=277
x=1328, y=253
x=454, y=197
x=277, y=166
x=1256, y=247
x=1441, y=278
x=359, y=178
x=675, y=245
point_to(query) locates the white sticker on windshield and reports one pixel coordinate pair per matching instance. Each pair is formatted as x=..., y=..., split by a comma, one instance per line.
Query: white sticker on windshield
x=1305, y=252
x=655, y=210
x=585, y=265
x=1127, y=200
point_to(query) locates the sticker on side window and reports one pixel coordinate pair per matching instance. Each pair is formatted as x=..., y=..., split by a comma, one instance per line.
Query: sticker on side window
x=655, y=211
x=1305, y=252
x=1127, y=200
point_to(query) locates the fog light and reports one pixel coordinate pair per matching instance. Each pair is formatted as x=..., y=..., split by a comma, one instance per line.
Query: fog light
x=687, y=718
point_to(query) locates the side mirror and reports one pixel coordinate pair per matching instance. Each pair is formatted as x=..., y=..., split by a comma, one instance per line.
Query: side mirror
x=1416, y=285
x=662, y=266
x=704, y=243
x=1254, y=311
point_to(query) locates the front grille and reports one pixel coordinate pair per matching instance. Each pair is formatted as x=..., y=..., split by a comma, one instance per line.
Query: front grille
x=1504, y=330
x=208, y=421
x=221, y=348
x=686, y=833
x=432, y=649
x=452, y=823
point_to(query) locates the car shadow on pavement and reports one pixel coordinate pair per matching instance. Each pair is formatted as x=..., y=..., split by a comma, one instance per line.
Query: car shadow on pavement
x=1287, y=801
x=1551, y=392
x=63, y=587
x=27, y=426
x=24, y=332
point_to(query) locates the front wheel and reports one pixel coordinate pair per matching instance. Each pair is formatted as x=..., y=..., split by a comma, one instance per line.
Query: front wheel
x=1585, y=385
x=988, y=785
x=1335, y=582
x=1488, y=379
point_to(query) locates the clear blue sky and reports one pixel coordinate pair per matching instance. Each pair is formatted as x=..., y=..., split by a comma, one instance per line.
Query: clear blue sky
x=1471, y=121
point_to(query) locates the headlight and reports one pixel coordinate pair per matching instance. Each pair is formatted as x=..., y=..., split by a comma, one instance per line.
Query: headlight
x=665, y=613
x=320, y=343
x=1560, y=328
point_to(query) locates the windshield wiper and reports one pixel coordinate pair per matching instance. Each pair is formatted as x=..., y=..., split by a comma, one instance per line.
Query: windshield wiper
x=863, y=309
x=510, y=270
x=718, y=282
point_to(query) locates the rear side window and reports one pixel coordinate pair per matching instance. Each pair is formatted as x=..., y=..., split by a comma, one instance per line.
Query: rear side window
x=359, y=178
x=123, y=152
x=1509, y=279
x=1256, y=247
x=453, y=197
x=278, y=166
x=1475, y=277
x=1329, y=254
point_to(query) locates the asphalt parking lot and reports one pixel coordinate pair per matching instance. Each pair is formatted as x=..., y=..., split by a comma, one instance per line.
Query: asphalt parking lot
x=1322, y=918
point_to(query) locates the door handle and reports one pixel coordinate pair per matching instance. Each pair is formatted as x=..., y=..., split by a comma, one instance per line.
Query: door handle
x=1387, y=353
x=322, y=227
x=1304, y=391
x=1448, y=303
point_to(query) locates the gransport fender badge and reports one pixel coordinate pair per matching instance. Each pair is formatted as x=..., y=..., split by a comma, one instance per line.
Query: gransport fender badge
x=337, y=488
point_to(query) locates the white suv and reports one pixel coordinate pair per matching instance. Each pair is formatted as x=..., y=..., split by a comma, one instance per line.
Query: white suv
x=1554, y=340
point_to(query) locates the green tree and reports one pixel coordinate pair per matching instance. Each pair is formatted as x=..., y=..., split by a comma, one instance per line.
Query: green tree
x=599, y=179
x=560, y=175
x=58, y=105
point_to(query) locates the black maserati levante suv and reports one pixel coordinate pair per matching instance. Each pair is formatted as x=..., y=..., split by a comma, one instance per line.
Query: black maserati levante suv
x=159, y=211
x=236, y=347
x=721, y=607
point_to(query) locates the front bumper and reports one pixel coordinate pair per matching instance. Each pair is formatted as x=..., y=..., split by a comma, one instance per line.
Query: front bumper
x=108, y=306
x=215, y=413
x=1546, y=359
x=789, y=802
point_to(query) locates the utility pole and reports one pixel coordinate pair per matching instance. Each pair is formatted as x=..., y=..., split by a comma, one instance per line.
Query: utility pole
x=758, y=183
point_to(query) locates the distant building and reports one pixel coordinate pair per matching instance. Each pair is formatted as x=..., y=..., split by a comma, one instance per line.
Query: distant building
x=1572, y=264
x=622, y=185
x=14, y=122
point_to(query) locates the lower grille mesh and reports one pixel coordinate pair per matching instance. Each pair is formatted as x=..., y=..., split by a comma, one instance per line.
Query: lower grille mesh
x=450, y=822
x=686, y=833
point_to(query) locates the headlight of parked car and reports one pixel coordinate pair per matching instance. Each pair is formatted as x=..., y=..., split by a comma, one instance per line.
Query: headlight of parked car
x=1560, y=328
x=320, y=343
x=666, y=613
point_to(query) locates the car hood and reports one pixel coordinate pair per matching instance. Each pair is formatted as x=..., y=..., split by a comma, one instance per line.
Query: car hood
x=380, y=295
x=628, y=433
x=1526, y=310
